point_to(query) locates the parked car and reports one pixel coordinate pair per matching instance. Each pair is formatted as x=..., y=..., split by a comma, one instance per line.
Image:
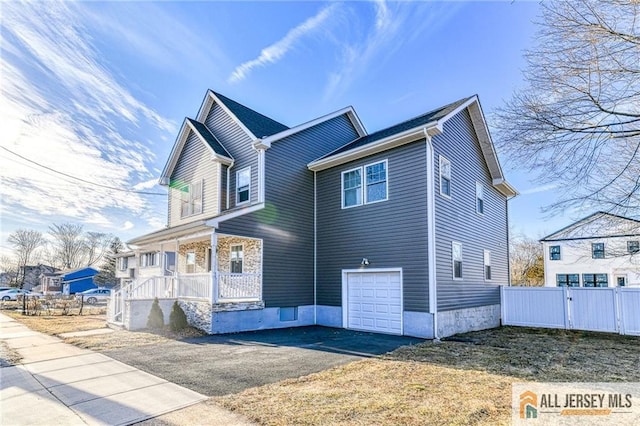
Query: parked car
x=13, y=293
x=94, y=295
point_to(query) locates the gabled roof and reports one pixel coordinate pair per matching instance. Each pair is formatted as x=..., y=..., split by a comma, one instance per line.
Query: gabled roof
x=431, y=123
x=217, y=150
x=256, y=125
x=597, y=225
x=205, y=134
x=421, y=120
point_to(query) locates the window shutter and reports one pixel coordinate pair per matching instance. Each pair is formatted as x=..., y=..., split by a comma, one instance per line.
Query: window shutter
x=196, y=197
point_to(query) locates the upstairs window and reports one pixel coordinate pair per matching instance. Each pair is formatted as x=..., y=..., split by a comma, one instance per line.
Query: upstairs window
x=243, y=185
x=352, y=188
x=237, y=258
x=149, y=259
x=456, y=257
x=479, y=198
x=487, y=265
x=445, y=177
x=554, y=253
x=374, y=189
x=597, y=250
x=633, y=247
x=191, y=199
x=376, y=182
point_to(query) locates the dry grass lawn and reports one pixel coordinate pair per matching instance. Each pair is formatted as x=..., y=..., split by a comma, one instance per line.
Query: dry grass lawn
x=467, y=381
x=461, y=381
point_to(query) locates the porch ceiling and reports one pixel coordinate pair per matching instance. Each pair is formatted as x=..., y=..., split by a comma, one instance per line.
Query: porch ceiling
x=176, y=232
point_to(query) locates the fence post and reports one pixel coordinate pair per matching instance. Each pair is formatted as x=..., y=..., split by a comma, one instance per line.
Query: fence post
x=618, y=309
x=567, y=308
x=502, y=306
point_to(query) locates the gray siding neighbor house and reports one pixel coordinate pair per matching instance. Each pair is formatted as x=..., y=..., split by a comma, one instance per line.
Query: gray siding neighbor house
x=400, y=231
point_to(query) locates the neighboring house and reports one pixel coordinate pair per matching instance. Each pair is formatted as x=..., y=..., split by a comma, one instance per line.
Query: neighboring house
x=32, y=274
x=76, y=280
x=50, y=283
x=601, y=250
x=400, y=231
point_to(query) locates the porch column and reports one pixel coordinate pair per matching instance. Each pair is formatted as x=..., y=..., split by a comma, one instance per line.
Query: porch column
x=214, y=267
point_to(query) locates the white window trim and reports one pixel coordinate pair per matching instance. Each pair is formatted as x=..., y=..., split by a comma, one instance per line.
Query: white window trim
x=549, y=253
x=190, y=203
x=486, y=255
x=480, y=185
x=123, y=263
x=363, y=184
x=453, y=262
x=342, y=187
x=238, y=203
x=231, y=257
x=440, y=160
x=186, y=260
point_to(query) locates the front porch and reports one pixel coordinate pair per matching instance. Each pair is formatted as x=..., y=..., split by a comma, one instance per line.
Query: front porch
x=205, y=274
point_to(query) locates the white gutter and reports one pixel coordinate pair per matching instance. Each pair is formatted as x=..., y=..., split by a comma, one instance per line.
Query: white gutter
x=431, y=232
x=315, y=250
x=229, y=182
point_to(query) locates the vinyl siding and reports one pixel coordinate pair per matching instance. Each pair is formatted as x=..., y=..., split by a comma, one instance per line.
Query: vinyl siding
x=195, y=164
x=286, y=224
x=457, y=220
x=239, y=145
x=390, y=233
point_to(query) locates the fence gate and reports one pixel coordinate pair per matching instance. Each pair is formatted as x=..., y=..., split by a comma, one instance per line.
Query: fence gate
x=611, y=309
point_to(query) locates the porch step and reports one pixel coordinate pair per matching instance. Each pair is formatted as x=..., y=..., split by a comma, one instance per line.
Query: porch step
x=115, y=325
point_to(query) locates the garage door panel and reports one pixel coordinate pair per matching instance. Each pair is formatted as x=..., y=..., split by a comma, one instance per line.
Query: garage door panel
x=375, y=301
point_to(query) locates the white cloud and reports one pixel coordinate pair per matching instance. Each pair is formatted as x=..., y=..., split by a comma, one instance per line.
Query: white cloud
x=127, y=225
x=276, y=51
x=63, y=108
x=538, y=189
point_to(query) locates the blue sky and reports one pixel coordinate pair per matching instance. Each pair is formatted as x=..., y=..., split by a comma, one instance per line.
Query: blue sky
x=97, y=91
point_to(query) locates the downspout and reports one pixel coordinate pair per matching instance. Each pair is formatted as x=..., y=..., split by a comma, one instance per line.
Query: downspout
x=228, y=182
x=315, y=250
x=431, y=234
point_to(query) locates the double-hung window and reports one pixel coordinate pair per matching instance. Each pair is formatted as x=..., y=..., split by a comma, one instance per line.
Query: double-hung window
x=487, y=265
x=191, y=262
x=237, y=258
x=568, y=280
x=445, y=177
x=554, y=252
x=595, y=280
x=191, y=199
x=123, y=263
x=365, y=185
x=243, y=185
x=479, y=198
x=597, y=250
x=456, y=258
x=149, y=259
x=633, y=247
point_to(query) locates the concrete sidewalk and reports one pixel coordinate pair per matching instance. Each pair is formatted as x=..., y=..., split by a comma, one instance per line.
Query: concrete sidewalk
x=57, y=383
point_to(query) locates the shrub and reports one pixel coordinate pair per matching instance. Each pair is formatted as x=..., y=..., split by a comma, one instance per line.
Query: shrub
x=177, y=319
x=156, y=316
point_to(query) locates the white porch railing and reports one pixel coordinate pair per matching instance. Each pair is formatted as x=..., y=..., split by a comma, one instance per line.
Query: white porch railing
x=162, y=287
x=239, y=287
x=194, y=286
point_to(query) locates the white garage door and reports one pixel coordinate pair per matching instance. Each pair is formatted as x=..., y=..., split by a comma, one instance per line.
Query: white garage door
x=374, y=301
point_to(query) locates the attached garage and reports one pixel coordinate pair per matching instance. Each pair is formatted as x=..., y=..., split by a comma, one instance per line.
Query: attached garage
x=372, y=300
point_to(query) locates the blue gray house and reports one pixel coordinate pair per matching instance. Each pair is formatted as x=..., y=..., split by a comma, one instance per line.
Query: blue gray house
x=400, y=231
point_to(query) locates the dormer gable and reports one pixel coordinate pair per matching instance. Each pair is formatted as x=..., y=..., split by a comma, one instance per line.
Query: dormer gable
x=255, y=125
x=214, y=147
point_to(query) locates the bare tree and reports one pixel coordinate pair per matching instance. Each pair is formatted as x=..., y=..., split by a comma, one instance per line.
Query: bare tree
x=9, y=266
x=527, y=263
x=68, y=245
x=96, y=244
x=25, y=243
x=577, y=120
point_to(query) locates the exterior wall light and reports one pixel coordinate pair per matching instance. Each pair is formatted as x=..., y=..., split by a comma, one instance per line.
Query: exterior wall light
x=365, y=261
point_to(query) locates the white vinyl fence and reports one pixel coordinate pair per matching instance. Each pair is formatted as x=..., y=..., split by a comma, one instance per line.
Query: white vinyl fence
x=609, y=309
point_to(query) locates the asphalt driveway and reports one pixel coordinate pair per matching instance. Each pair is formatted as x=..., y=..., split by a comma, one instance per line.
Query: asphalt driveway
x=225, y=364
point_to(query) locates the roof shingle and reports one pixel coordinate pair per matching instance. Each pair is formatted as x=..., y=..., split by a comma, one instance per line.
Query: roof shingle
x=260, y=125
x=213, y=142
